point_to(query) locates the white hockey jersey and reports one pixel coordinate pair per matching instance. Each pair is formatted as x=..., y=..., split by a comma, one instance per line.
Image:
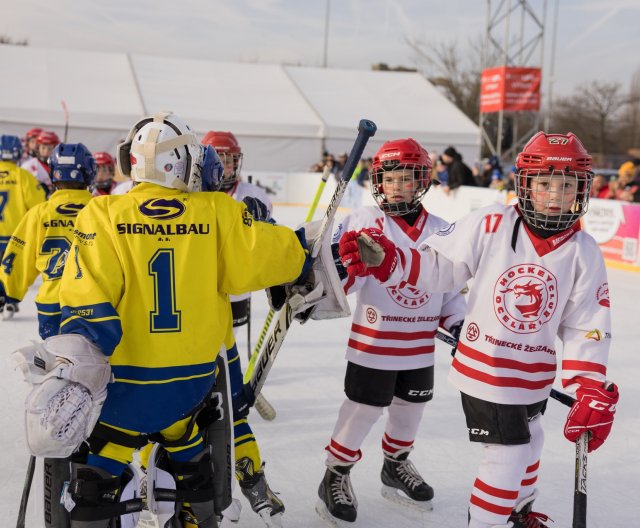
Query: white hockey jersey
x=394, y=328
x=527, y=291
x=39, y=170
x=238, y=193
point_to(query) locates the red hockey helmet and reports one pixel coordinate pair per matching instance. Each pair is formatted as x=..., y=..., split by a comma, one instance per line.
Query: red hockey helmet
x=226, y=145
x=33, y=133
x=548, y=156
x=408, y=156
x=48, y=138
x=104, y=159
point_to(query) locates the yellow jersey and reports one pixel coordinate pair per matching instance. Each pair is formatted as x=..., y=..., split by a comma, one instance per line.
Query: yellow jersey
x=19, y=192
x=148, y=280
x=41, y=244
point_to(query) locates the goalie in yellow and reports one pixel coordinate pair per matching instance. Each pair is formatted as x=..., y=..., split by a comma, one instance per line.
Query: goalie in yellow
x=145, y=312
x=40, y=243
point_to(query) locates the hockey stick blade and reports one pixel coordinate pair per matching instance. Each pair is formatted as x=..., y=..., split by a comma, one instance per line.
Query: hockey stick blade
x=366, y=130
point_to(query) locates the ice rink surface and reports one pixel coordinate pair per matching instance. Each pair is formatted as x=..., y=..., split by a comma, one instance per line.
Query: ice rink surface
x=305, y=387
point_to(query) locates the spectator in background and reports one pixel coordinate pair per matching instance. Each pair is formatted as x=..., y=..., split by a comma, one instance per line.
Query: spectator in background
x=339, y=165
x=491, y=173
x=600, y=187
x=627, y=187
x=441, y=173
x=459, y=172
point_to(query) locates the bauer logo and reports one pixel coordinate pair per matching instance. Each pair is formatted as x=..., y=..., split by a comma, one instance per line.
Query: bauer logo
x=162, y=208
x=525, y=298
x=447, y=230
x=69, y=209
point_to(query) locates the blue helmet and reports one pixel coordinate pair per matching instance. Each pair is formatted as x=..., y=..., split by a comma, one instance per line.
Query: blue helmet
x=72, y=162
x=10, y=148
x=211, y=169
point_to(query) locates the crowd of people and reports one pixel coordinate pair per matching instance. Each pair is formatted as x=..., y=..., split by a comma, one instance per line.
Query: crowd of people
x=138, y=377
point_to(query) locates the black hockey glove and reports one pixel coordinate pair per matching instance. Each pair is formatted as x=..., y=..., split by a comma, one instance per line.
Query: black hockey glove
x=278, y=295
x=258, y=209
x=455, y=332
x=335, y=251
x=242, y=400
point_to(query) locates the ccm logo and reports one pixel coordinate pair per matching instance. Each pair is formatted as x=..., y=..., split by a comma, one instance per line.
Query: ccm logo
x=480, y=432
x=599, y=406
x=414, y=392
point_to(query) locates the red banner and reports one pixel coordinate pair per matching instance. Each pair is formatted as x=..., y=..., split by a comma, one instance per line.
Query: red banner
x=510, y=88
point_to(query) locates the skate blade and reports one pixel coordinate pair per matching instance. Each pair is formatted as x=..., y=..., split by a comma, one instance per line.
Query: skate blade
x=271, y=521
x=325, y=515
x=396, y=496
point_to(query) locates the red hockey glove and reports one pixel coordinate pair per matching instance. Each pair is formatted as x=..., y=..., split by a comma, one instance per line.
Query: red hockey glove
x=368, y=252
x=593, y=411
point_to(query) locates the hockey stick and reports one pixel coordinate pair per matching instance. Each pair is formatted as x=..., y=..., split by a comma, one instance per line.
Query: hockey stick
x=580, y=481
x=267, y=322
x=66, y=120
x=264, y=408
x=22, y=512
x=366, y=129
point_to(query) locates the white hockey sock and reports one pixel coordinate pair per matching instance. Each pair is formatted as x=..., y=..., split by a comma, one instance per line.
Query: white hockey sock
x=496, y=488
x=355, y=420
x=528, y=483
x=402, y=425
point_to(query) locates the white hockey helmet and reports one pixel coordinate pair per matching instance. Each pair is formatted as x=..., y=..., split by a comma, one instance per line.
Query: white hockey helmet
x=162, y=149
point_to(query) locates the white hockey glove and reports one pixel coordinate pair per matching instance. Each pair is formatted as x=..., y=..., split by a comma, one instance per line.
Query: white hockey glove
x=69, y=377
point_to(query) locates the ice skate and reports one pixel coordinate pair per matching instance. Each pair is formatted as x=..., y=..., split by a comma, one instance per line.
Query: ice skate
x=403, y=484
x=9, y=310
x=254, y=487
x=337, y=505
x=523, y=517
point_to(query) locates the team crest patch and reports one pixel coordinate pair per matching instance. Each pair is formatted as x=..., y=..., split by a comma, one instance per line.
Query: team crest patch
x=602, y=295
x=372, y=315
x=69, y=209
x=162, y=208
x=594, y=334
x=525, y=298
x=409, y=297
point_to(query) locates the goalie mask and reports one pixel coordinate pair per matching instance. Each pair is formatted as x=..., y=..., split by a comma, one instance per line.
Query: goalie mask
x=400, y=176
x=228, y=149
x=163, y=150
x=553, y=181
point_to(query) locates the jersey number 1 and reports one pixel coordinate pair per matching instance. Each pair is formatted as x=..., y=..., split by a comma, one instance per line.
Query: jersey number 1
x=165, y=317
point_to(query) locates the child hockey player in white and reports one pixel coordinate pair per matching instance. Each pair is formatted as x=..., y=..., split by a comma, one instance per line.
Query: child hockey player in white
x=391, y=346
x=538, y=277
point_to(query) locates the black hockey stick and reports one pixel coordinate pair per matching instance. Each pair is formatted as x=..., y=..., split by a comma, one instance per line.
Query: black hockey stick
x=22, y=512
x=366, y=130
x=580, y=481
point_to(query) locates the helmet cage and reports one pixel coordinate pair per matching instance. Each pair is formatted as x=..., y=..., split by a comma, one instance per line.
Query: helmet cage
x=72, y=162
x=228, y=182
x=570, y=212
x=421, y=176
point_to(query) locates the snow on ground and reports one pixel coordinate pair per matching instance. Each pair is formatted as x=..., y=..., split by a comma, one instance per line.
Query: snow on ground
x=305, y=387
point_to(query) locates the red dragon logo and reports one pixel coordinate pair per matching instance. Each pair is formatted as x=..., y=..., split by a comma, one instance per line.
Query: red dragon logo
x=525, y=298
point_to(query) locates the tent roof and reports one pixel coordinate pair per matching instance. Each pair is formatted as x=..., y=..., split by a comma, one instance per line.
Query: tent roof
x=111, y=91
x=399, y=103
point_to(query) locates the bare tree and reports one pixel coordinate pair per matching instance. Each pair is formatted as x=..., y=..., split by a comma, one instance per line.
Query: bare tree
x=457, y=74
x=6, y=39
x=593, y=113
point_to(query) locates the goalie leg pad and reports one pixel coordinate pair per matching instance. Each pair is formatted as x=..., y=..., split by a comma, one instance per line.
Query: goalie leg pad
x=96, y=499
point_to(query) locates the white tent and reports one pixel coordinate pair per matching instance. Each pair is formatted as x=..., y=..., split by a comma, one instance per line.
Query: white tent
x=283, y=116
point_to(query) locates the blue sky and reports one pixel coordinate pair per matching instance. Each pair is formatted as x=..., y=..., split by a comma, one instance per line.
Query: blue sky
x=596, y=40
